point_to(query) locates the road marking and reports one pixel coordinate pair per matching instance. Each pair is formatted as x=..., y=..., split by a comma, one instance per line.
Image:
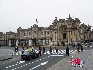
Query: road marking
x=15, y=64
x=19, y=63
x=48, y=52
x=70, y=51
x=63, y=51
x=6, y=67
x=22, y=61
x=25, y=64
x=21, y=66
x=40, y=59
x=39, y=65
x=74, y=51
x=59, y=52
x=10, y=66
x=54, y=52
x=29, y=63
x=56, y=55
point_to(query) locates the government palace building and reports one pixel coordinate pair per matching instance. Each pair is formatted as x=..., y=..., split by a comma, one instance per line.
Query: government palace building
x=61, y=31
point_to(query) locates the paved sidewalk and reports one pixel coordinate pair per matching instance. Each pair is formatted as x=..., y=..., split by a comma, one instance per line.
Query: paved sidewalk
x=64, y=64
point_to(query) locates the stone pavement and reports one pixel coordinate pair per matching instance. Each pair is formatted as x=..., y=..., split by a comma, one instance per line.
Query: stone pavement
x=5, y=54
x=64, y=64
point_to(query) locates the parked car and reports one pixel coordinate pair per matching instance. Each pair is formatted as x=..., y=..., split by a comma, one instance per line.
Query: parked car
x=28, y=55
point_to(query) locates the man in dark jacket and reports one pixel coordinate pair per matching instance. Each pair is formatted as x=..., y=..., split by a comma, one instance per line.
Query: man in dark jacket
x=43, y=49
x=56, y=50
x=82, y=47
x=50, y=49
x=78, y=46
x=67, y=51
x=39, y=50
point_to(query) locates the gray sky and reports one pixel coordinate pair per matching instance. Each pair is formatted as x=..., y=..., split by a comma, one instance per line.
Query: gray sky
x=15, y=13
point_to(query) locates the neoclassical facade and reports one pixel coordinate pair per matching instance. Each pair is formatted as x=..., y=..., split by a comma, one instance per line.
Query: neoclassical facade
x=61, y=31
x=33, y=36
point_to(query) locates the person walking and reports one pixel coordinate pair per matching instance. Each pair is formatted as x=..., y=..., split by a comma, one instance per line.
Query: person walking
x=78, y=46
x=67, y=51
x=43, y=49
x=56, y=50
x=82, y=47
x=50, y=49
x=39, y=50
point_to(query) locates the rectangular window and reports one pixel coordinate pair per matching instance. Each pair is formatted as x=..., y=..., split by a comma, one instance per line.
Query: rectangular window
x=24, y=34
x=64, y=35
x=29, y=33
x=47, y=32
x=41, y=33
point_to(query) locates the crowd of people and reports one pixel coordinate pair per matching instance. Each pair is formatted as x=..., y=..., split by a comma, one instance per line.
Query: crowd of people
x=79, y=47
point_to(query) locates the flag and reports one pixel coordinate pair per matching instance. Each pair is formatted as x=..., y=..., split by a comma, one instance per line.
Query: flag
x=36, y=21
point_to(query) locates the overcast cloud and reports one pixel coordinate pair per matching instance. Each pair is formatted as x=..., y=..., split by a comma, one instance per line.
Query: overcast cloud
x=15, y=13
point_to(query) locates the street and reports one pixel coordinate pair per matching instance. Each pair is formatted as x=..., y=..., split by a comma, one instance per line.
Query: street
x=45, y=61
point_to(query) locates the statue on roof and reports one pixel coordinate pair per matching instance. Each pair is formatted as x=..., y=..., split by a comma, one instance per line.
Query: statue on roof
x=69, y=18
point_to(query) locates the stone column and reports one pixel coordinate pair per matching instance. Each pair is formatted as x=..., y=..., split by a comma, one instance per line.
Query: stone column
x=50, y=42
x=43, y=42
x=68, y=37
x=10, y=43
x=17, y=42
x=30, y=42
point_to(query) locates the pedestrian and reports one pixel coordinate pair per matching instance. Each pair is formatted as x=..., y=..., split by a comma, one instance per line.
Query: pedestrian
x=67, y=51
x=39, y=50
x=27, y=47
x=43, y=49
x=73, y=45
x=82, y=47
x=78, y=45
x=56, y=50
x=50, y=49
